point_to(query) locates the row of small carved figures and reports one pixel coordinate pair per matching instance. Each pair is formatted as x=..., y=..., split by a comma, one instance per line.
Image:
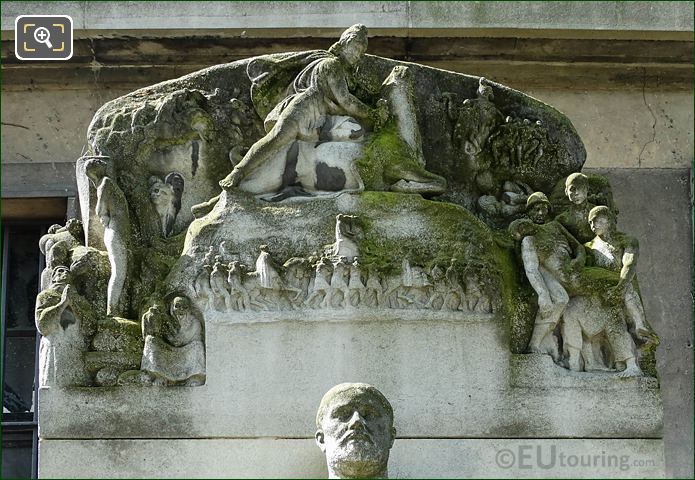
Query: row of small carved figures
x=335, y=282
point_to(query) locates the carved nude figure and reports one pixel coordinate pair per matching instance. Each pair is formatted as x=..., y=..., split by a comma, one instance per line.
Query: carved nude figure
x=112, y=210
x=354, y=429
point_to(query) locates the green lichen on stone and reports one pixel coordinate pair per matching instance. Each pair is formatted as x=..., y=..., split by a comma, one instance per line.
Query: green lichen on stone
x=387, y=158
x=518, y=299
x=647, y=359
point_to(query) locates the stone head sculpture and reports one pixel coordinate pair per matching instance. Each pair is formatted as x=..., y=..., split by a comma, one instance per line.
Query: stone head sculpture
x=61, y=275
x=96, y=168
x=601, y=220
x=577, y=188
x=352, y=44
x=538, y=207
x=355, y=430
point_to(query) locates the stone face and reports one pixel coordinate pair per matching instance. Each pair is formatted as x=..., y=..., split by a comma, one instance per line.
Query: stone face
x=355, y=430
x=378, y=221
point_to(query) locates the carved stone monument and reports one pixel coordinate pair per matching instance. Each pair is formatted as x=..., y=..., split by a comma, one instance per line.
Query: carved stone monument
x=258, y=231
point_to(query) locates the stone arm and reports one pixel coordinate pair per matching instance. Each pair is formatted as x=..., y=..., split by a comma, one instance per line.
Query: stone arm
x=629, y=261
x=529, y=257
x=352, y=105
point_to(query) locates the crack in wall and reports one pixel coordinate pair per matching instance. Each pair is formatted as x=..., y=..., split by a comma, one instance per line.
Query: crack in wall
x=651, y=112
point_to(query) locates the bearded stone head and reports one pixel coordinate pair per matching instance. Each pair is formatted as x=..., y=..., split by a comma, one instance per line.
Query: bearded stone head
x=355, y=430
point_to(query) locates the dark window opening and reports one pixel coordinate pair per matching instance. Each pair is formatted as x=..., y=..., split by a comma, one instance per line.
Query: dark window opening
x=22, y=263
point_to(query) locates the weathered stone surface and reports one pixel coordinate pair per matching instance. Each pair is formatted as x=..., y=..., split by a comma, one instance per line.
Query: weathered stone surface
x=299, y=458
x=460, y=373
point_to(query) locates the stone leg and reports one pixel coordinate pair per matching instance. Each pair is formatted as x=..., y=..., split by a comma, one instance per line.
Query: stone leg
x=573, y=342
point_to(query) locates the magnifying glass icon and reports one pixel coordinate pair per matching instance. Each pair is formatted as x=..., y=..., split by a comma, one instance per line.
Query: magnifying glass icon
x=42, y=35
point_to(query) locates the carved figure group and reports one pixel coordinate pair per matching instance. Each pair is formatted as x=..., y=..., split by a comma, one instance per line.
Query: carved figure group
x=586, y=307
x=334, y=282
x=174, y=351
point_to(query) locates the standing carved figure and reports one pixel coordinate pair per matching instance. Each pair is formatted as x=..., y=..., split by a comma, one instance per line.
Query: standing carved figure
x=112, y=210
x=552, y=260
x=355, y=285
x=320, y=293
x=63, y=321
x=218, y=283
x=237, y=291
x=340, y=292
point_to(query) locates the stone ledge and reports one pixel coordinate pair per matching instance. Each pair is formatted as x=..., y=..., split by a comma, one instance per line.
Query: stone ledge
x=404, y=18
x=300, y=458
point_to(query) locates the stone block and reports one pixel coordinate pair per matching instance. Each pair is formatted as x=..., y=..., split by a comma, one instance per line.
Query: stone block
x=300, y=458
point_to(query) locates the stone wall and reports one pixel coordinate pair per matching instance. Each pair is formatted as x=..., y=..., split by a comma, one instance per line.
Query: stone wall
x=623, y=76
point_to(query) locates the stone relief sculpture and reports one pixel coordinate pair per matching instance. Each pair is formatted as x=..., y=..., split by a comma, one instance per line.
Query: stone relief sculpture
x=354, y=429
x=174, y=351
x=319, y=90
x=594, y=315
x=333, y=281
x=360, y=187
